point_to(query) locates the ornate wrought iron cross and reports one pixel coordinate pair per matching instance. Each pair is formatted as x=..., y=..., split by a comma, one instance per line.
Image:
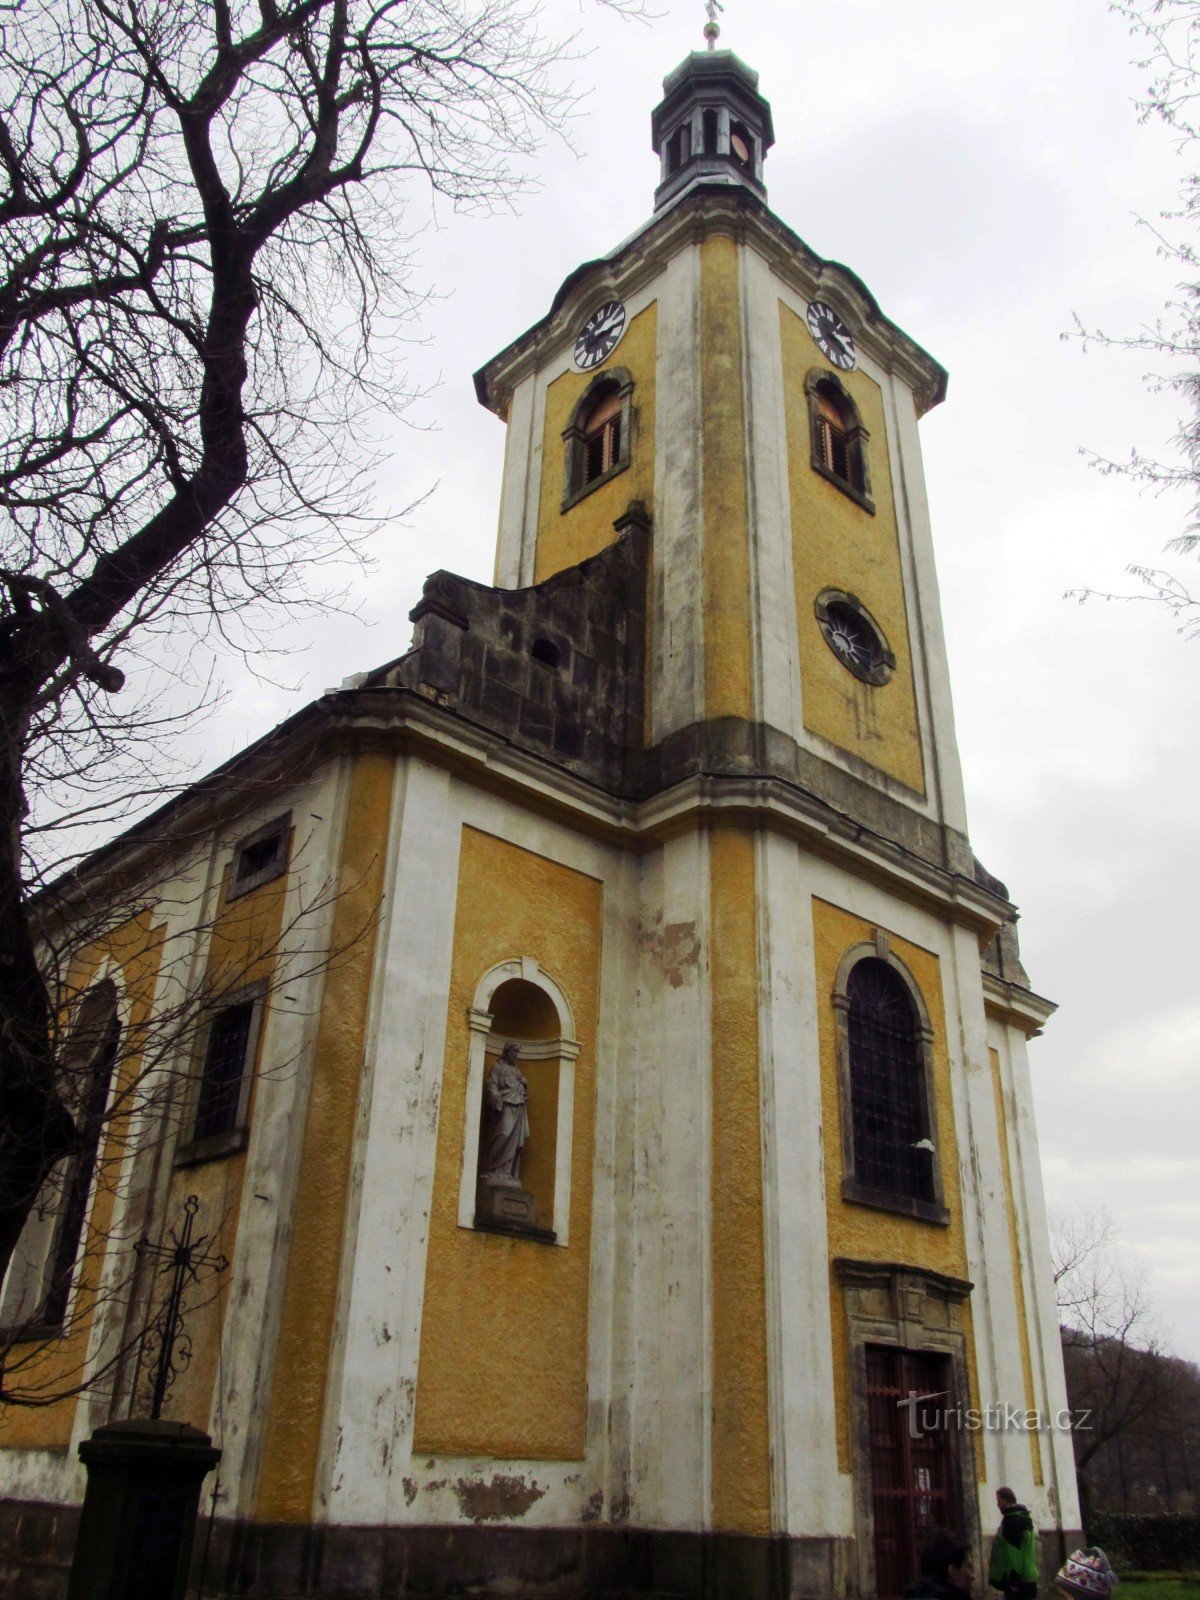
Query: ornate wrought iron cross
x=183, y=1257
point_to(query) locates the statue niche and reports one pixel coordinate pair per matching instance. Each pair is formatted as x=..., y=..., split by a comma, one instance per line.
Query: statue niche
x=517, y=1121
x=500, y=1200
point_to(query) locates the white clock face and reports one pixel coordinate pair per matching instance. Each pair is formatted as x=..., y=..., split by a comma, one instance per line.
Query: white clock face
x=831, y=335
x=600, y=335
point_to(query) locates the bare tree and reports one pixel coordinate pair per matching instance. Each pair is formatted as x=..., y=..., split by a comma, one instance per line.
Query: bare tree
x=1167, y=33
x=202, y=276
x=1117, y=1376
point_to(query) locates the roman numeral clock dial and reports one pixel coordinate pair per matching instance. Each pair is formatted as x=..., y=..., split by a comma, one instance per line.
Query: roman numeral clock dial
x=831, y=335
x=600, y=335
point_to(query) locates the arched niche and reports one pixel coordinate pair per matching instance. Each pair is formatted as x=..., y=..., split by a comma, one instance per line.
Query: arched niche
x=518, y=1000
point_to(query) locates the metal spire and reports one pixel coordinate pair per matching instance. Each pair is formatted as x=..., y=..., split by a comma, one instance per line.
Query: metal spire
x=712, y=28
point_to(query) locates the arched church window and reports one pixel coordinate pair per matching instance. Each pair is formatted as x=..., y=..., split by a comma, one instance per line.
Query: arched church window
x=37, y=1290
x=885, y=1046
x=839, y=440
x=892, y=1148
x=710, y=132
x=597, y=437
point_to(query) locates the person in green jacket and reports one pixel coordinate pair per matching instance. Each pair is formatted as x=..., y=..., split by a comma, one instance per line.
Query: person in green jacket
x=1013, y=1568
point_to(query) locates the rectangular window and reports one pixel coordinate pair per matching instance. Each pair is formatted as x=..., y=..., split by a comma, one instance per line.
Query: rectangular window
x=222, y=1099
x=259, y=857
x=224, y=1066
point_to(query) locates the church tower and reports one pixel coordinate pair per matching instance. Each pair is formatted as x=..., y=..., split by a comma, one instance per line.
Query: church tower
x=814, y=1109
x=652, y=1204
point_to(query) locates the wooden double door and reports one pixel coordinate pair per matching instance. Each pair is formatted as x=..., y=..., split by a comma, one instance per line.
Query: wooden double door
x=914, y=1458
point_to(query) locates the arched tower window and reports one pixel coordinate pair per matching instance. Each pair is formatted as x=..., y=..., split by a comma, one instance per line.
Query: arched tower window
x=885, y=1046
x=602, y=434
x=679, y=148
x=597, y=439
x=711, y=131
x=741, y=145
x=839, y=440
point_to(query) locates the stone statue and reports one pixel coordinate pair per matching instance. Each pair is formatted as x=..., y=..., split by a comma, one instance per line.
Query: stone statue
x=506, y=1095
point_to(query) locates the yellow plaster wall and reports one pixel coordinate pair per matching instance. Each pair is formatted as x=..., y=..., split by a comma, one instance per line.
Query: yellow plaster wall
x=727, y=619
x=1018, y=1276
x=836, y=544
x=567, y=537
x=503, y=1361
x=741, y=1449
x=292, y=1439
x=862, y=1233
x=45, y=1367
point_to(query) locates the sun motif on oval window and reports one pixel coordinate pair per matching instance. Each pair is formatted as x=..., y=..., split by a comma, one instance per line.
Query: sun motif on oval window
x=854, y=636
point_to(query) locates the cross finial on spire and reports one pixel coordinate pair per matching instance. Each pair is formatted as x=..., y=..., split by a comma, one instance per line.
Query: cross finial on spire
x=712, y=28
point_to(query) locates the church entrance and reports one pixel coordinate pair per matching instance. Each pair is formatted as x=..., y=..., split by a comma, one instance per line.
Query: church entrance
x=914, y=1466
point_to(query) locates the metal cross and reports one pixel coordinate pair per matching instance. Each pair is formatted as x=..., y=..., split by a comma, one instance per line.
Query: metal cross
x=712, y=28
x=183, y=1257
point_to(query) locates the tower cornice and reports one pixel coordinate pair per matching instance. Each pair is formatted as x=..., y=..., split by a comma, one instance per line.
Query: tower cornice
x=705, y=209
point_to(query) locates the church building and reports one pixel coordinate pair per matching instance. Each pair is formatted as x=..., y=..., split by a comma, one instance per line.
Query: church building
x=608, y=1110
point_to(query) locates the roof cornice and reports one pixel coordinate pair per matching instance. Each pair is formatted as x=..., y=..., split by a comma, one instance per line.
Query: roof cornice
x=395, y=719
x=706, y=208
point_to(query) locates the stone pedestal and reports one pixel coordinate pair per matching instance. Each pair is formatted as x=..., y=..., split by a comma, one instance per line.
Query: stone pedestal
x=502, y=1204
x=139, y=1510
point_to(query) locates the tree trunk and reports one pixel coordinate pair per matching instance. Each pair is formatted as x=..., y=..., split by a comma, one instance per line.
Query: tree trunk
x=35, y=1127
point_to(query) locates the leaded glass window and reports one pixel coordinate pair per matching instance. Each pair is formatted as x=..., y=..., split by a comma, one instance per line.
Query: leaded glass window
x=892, y=1149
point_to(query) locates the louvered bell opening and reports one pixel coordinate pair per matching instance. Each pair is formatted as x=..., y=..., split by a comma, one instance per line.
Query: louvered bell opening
x=833, y=438
x=594, y=463
x=602, y=436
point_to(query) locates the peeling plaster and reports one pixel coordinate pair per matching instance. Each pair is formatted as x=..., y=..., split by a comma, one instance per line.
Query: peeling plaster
x=500, y=1500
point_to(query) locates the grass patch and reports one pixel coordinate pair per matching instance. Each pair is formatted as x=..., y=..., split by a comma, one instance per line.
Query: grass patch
x=1159, y=1586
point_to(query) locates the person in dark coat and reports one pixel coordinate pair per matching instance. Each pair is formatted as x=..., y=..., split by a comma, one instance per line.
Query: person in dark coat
x=1013, y=1568
x=945, y=1568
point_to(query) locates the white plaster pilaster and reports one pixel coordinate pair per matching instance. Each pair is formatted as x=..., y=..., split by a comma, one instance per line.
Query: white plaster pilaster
x=776, y=660
x=250, y=1331
x=512, y=536
x=994, y=1317
x=808, y=1497
x=671, y=1321
x=924, y=605
x=369, y=1411
x=678, y=601
x=1050, y=1389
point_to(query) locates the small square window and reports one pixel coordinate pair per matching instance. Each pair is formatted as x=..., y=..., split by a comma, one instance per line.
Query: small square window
x=221, y=1104
x=259, y=857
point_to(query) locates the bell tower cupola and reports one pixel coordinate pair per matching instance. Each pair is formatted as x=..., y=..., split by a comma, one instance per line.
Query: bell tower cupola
x=711, y=126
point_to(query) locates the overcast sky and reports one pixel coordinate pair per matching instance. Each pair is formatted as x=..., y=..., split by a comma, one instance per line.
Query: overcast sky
x=981, y=168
